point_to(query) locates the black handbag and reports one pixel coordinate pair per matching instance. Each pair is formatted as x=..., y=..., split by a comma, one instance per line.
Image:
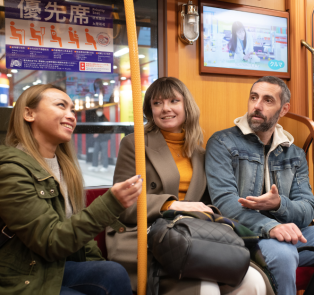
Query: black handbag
x=187, y=247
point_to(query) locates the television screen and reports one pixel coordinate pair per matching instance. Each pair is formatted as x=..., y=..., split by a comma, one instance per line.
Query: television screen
x=242, y=40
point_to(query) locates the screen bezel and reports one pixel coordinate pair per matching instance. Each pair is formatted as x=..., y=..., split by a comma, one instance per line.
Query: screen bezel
x=242, y=72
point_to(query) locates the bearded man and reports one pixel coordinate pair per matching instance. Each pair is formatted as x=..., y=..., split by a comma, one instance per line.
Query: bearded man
x=256, y=175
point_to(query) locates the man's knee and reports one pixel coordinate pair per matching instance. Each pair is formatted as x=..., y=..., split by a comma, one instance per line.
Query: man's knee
x=280, y=254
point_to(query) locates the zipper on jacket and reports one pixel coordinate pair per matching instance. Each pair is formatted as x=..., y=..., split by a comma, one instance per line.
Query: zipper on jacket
x=171, y=225
x=32, y=266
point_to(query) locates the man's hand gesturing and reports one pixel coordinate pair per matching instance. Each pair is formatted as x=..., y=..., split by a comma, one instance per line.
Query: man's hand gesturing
x=268, y=201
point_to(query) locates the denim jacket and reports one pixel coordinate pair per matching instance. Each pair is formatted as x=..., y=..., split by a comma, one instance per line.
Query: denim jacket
x=236, y=167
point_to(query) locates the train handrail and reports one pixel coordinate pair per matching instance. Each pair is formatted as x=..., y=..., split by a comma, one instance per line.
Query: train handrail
x=309, y=124
x=104, y=127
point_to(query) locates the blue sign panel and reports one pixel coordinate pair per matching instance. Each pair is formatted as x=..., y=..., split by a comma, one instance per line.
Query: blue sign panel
x=58, y=36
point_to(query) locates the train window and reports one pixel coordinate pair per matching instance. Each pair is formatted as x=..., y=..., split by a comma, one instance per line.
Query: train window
x=103, y=101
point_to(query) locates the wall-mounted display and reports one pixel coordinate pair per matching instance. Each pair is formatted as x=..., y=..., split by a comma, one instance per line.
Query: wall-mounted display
x=244, y=40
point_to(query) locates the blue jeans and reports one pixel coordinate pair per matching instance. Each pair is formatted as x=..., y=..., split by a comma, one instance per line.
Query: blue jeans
x=95, y=278
x=283, y=259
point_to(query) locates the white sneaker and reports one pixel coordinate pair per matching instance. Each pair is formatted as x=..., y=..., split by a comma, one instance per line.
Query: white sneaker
x=92, y=168
x=103, y=169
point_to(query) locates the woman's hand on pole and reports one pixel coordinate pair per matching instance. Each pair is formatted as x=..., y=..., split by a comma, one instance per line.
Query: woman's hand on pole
x=127, y=192
x=190, y=206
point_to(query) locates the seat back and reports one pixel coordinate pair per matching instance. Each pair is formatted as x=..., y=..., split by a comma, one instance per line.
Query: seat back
x=91, y=195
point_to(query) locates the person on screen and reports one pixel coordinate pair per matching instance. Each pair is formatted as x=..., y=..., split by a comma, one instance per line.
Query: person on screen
x=241, y=43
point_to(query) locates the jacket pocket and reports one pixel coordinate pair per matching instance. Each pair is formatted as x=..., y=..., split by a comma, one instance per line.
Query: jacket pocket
x=15, y=256
x=302, y=178
x=285, y=164
x=46, y=189
x=246, y=167
x=283, y=173
x=13, y=283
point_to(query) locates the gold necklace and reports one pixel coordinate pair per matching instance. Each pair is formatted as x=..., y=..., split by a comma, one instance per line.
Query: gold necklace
x=176, y=151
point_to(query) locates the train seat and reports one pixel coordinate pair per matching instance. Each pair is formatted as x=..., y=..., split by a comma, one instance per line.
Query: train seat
x=91, y=195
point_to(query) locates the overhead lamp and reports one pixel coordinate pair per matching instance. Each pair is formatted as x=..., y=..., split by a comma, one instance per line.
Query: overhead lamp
x=121, y=52
x=116, y=96
x=189, y=23
x=141, y=56
x=112, y=81
x=14, y=71
x=123, y=78
x=105, y=83
x=101, y=99
x=115, y=67
x=38, y=81
x=9, y=75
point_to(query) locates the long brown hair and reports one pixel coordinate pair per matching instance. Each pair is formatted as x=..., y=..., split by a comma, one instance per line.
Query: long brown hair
x=20, y=131
x=164, y=88
x=236, y=26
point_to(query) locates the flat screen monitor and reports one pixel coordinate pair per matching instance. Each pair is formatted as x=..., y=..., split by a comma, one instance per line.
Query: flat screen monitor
x=244, y=40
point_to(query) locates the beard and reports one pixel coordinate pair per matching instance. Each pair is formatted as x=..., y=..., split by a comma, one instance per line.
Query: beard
x=262, y=126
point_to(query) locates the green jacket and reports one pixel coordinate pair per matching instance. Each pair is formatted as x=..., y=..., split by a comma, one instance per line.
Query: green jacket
x=31, y=205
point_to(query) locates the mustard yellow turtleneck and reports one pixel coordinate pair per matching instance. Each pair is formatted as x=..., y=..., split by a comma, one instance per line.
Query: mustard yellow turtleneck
x=175, y=142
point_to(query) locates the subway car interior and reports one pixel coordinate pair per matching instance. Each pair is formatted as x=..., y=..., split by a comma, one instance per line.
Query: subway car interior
x=101, y=54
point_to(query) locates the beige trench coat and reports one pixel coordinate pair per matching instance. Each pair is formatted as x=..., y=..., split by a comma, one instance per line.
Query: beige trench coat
x=162, y=179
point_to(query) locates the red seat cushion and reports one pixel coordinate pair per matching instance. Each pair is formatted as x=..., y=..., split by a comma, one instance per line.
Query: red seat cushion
x=304, y=275
x=91, y=195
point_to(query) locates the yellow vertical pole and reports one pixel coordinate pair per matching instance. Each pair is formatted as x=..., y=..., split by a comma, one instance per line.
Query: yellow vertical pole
x=139, y=147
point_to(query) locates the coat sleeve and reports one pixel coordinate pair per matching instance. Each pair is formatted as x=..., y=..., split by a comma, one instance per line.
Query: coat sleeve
x=298, y=206
x=92, y=251
x=223, y=190
x=125, y=168
x=36, y=222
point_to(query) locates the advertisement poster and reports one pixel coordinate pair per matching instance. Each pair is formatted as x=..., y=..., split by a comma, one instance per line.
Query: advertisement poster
x=242, y=40
x=58, y=36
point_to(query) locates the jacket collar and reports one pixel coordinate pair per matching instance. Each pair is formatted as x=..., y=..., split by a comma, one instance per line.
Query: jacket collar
x=16, y=156
x=160, y=156
x=280, y=136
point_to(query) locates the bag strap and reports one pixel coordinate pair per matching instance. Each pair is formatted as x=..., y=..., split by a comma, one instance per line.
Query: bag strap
x=153, y=278
x=308, y=248
x=5, y=235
